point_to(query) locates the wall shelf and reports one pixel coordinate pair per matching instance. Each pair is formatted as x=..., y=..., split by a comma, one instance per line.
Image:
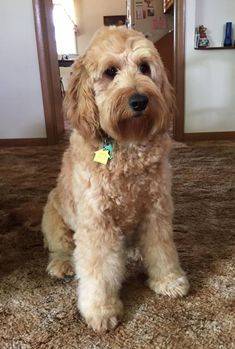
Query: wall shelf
x=216, y=48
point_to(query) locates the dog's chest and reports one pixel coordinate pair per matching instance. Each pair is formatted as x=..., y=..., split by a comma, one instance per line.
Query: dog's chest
x=129, y=191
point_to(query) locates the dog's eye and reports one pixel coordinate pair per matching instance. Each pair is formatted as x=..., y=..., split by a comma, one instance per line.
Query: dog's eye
x=111, y=72
x=145, y=68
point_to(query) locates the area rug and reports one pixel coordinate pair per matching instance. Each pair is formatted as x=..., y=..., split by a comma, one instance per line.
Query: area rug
x=39, y=312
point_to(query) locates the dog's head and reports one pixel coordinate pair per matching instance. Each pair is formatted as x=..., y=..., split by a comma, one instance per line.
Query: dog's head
x=120, y=88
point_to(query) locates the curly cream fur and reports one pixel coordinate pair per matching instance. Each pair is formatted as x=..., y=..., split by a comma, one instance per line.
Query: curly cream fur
x=129, y=199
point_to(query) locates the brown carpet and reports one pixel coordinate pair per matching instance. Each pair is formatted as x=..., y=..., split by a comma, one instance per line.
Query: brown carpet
x=39, y=312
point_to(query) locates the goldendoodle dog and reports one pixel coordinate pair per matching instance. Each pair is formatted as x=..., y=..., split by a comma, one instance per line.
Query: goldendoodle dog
x=114, y=188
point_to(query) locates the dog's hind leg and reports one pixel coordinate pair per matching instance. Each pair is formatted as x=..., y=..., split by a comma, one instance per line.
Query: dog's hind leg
x=58, y=239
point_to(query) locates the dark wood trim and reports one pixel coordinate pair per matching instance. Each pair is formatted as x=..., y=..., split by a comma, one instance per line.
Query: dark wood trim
x=179, y=67
x=55, y=71
x=22, y=142
x=49, y=69
x=209, y=136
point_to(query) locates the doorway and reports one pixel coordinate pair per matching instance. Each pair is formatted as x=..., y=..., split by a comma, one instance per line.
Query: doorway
x=51, y=64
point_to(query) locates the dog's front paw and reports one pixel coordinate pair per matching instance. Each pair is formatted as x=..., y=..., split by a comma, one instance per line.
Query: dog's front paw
x=172, y=285
x=60, y=268
x=103, y=318
x=102, y=323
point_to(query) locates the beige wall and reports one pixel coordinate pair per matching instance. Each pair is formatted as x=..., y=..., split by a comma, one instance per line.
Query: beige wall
x=21, y=106
x=90, y=17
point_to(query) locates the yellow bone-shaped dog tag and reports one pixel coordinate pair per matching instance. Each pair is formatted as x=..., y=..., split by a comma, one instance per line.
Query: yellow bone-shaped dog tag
x=102, y=156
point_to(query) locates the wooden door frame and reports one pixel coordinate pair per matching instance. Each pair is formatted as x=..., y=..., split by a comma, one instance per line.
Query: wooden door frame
x=49, y=69
x=179, y=68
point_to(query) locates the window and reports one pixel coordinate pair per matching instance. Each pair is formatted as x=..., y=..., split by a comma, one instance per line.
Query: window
x=65, y=26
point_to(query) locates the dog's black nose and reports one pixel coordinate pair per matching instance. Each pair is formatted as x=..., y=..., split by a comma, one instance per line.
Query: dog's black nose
x=138, y=102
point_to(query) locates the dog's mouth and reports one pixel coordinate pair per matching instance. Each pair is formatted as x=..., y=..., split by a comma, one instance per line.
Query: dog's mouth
x=138, y=115
x=136, y=127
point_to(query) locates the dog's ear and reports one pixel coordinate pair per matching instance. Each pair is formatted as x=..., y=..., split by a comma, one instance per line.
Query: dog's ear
x=169, y=100
x=79, y=103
